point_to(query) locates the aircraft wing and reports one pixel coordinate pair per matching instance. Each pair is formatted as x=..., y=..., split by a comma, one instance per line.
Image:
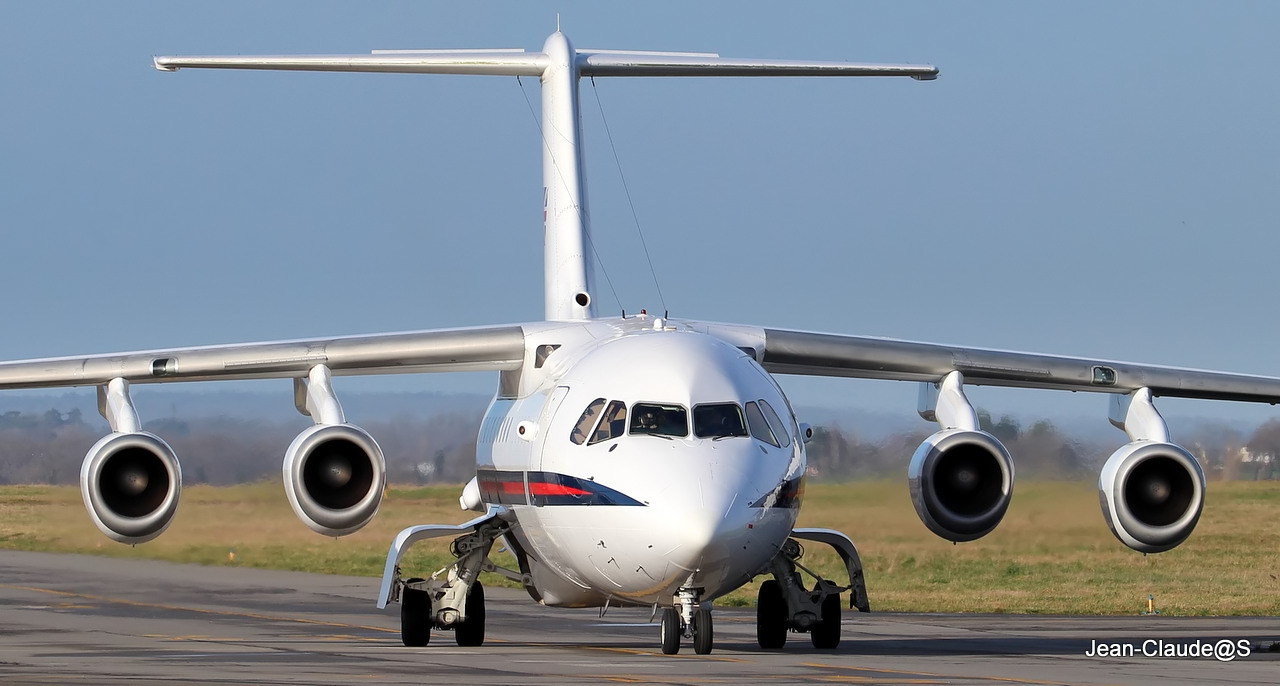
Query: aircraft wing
x=783, y=351
x=492, y=348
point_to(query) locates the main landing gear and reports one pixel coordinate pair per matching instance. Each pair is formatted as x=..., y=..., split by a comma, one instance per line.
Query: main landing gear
x=785, y=605
x=688, y=619
x=452, y=599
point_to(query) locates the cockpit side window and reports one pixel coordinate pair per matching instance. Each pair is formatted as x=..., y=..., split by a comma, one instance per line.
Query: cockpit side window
x=587, y=421
x=775, y=423
x=614, y=423
x=719, y=420
x=659, y=420
x=759, y=425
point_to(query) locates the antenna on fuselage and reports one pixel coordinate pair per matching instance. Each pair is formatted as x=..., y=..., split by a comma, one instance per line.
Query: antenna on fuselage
x=568, y=276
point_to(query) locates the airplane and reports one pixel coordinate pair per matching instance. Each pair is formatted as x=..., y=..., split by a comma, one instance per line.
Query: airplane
x=634, y=460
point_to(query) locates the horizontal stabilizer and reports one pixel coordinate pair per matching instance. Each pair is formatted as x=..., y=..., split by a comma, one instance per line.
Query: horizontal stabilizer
x=434, y=51
x=516, y=62
x=693, y=64
x=495, y=63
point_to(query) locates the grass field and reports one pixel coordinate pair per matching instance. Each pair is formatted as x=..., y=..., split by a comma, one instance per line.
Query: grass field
x=1052, y=554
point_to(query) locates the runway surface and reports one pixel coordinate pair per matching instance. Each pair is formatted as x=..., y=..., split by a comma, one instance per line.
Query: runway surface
x=77, y=619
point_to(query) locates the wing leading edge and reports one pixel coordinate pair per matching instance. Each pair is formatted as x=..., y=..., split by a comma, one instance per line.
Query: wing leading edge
x=493, y=348
x=823, y=354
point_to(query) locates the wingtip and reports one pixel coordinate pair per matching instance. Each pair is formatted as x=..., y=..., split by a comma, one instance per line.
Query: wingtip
x=161, y=63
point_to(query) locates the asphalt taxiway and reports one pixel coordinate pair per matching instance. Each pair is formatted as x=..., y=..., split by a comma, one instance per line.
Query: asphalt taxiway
x=78, y=619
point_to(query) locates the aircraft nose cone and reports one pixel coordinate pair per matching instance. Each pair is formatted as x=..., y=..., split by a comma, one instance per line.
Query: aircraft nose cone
x=697, y=527
x=703, y=518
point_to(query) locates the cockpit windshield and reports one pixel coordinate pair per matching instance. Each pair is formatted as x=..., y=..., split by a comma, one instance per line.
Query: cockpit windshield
x=719, y=420
x=759, y=425
x=659, y=420
x=587, y=421
x=613, y=424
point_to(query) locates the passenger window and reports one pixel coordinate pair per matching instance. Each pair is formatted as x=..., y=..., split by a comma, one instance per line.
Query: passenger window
x=586, y=422
x=775, y=423
x=614, y=423
x=720, y=420
x=759, y=426
x=659, y=420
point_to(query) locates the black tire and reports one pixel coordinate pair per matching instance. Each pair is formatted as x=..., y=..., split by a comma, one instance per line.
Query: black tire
x=670, y=631
x=703, y=632
x=771, y=616
x=415, y=616
x=826, y=635
x=471, y=632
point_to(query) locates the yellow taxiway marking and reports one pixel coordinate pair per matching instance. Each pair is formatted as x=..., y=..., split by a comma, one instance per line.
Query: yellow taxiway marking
x=851, y=679
x=203, y=639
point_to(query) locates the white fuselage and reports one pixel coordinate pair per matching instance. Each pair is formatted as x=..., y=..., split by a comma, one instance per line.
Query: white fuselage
x=607, y=504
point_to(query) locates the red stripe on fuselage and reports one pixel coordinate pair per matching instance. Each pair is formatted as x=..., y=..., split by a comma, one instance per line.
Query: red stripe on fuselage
x=555, y=489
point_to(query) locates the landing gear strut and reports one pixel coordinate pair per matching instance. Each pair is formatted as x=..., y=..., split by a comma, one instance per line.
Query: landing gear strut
x=784, y=603
x=453, y=597
x=688, y=619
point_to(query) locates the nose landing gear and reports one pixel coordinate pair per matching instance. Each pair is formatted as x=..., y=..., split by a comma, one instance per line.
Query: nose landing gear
x=687, y=619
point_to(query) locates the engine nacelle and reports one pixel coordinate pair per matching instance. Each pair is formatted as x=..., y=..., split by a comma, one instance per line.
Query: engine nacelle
x=961, y=483
x=334, y=475
x=1152, y=494
x=131, y=483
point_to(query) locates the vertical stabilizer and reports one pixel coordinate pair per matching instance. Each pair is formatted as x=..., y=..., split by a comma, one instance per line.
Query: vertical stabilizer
x=568, y=276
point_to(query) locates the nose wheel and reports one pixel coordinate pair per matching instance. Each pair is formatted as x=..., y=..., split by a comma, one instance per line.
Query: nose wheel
x=688, y=619
x=703, y=634
x=671, y=631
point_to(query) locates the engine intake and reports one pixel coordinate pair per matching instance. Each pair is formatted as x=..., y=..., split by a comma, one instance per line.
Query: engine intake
x=131, y=483
x=961, y=483
x=1152, y=494
x=334, y=475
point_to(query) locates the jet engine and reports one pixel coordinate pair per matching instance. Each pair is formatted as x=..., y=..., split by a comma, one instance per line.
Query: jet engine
x=334, y=475
x=1152, y=493
x=961, y=482
x=131, y=483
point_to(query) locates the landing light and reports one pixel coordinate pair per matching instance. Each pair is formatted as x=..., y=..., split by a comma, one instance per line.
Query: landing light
x=528, y=430
x=1104, y=376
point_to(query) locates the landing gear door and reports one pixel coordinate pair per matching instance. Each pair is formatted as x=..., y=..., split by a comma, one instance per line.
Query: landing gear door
x=545, y=421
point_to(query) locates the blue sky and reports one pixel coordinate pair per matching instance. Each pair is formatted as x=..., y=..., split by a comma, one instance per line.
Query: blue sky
x=1084, y=178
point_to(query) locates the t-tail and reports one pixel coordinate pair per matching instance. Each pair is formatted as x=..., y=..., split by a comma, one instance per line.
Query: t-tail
x=569, y=282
